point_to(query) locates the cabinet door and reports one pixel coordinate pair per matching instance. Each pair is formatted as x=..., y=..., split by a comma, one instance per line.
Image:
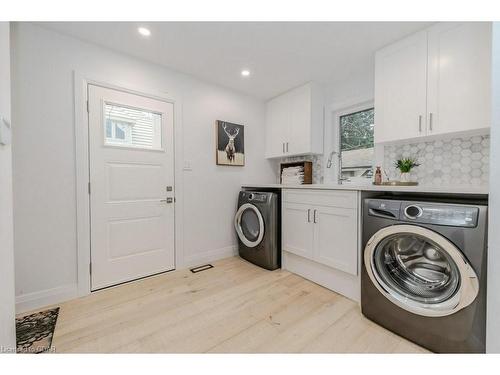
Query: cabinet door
x=297, y=229
x=336, y=238
x=277, y=124
x=400, y=89
x=459, y=77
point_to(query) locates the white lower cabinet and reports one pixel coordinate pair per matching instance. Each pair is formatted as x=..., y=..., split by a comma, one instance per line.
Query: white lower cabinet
x=336, y=238
x=298, y=229
x=322, y=226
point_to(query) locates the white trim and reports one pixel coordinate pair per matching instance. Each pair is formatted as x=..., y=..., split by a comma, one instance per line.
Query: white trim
x=340, y=282
x=81, y=82
x=210, y=256
x=42, y=298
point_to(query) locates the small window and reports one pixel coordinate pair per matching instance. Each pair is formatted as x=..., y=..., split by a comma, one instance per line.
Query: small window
x=119, y=132
x=132, y=127
x=356, y=144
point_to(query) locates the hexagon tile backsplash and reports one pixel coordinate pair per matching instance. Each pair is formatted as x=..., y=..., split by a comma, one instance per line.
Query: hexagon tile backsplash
x=453, y=161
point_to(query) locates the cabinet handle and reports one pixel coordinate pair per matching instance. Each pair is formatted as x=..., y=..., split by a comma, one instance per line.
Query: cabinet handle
x=420, y=124
x=308, y=215
x=314, y=217
x=287, y=147
x=430, y=121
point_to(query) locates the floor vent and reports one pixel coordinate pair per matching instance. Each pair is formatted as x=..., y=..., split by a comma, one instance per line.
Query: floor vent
x=201, y=268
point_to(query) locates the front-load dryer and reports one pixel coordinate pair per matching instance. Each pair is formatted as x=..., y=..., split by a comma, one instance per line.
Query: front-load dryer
x=424, y=271
x=257, y=226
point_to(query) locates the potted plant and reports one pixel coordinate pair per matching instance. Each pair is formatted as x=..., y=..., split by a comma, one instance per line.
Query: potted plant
x=405, y=165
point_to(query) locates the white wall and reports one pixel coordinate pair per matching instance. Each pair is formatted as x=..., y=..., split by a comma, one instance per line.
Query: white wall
x=493, y=317
x=7, y=325
x=44, y=156
x=352, y=91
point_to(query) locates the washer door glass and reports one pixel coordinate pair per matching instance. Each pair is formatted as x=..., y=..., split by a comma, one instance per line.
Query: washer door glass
x=416, y=267
x=249, y=225
x=420, y=271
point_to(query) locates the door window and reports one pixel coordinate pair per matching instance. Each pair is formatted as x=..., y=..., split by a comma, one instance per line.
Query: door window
x=416, y=268
x=131, y=127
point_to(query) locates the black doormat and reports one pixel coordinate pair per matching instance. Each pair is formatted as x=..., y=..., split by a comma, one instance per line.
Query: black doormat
x=34, y=332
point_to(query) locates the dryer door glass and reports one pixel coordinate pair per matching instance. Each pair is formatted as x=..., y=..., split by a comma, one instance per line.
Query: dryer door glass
x=417, y=268
x=249, y=225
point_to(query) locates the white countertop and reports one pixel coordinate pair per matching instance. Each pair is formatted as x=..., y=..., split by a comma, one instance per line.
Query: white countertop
x=456, y=189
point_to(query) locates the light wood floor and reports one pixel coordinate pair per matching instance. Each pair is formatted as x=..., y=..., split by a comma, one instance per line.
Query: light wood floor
x=234, y=307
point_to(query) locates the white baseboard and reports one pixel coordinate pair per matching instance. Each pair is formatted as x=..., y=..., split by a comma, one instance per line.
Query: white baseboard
x=209, y=256
x=36, y=300
x=338, y=281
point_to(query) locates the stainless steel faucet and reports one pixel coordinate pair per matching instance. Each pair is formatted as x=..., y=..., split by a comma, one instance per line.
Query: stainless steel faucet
x=329, y=164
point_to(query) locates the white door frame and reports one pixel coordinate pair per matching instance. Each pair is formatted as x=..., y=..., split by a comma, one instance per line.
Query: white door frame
x=81, y=82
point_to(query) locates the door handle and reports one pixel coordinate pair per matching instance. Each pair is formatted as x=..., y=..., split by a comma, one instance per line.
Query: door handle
x=167, y=200
x=314, y=217
x=308, y=215
x=430, y=121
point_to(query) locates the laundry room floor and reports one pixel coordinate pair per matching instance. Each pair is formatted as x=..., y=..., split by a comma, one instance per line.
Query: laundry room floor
x=233, y=307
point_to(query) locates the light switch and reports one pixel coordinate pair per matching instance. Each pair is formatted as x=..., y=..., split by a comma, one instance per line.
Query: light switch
x=5, y=132
x=187, y=165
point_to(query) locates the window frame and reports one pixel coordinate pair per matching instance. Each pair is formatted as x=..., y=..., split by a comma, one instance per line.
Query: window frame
x=124, y=145
x=360, y=107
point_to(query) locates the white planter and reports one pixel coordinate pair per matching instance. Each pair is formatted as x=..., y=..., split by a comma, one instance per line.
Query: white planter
x=405, y=177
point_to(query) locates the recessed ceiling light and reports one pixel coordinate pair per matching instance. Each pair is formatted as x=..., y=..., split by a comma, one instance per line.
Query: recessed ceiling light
x=245, y=73
x=143, y=31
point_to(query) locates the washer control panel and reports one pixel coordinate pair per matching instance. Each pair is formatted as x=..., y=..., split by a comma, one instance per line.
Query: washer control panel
x=440, y=214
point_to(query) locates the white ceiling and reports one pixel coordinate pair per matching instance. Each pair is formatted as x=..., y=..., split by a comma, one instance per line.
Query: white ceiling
x=280, y=56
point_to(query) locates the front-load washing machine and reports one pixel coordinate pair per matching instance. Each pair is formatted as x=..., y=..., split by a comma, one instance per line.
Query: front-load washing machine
x=257, y=225
x=424, y=271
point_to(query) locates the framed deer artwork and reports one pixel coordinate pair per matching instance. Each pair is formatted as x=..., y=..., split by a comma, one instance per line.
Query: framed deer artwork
x=230, y=145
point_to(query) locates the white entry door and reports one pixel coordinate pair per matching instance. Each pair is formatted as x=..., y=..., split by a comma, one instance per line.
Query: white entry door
x=131, y=150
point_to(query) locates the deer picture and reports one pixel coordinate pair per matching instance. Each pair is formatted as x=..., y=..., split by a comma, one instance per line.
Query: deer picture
x=230, y=148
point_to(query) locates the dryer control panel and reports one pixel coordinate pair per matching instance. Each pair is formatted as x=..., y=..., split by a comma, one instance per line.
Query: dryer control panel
x=255, y=197
x=425, y=212
x=439, y=214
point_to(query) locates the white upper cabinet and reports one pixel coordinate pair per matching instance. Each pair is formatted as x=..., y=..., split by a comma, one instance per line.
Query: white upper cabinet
x=294, y=123
x=400, y=89
x=459, y=76
x=434, y=82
